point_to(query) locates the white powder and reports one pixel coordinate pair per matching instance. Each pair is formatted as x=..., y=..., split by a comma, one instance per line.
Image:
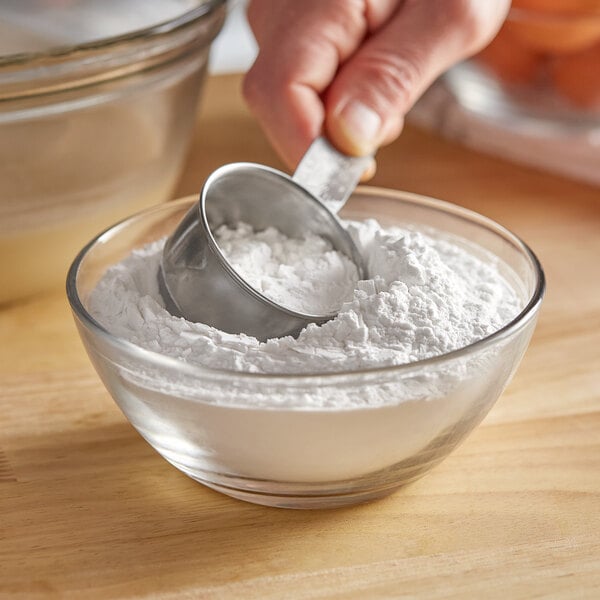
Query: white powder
x=426, y=297
x=305, y=275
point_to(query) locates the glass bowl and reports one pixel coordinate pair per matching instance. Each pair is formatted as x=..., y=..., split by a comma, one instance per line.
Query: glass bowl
x=97, y=106
x=542, y=69
x=282, y=452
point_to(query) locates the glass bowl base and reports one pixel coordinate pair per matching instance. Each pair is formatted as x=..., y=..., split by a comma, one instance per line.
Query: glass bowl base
x=300, y=495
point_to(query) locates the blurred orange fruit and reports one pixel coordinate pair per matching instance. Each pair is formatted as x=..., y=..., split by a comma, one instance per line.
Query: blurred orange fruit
x=509, y=60
x=563, y=6
x=577, y=77
x=556, y=26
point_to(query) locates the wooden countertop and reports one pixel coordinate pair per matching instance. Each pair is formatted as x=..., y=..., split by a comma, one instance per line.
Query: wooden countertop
x=88, y=510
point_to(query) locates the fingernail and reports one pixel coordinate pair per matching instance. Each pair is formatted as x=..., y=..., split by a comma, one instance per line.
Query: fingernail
x=369, y=171
x=360, y=126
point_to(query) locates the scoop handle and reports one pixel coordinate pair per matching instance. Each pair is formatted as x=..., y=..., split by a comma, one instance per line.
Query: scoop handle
x=328, y=174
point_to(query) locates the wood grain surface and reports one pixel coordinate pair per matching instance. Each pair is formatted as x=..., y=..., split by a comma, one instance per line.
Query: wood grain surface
x=89, y=510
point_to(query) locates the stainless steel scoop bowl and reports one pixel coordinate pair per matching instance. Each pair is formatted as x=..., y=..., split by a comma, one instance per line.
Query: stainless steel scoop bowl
x=197, y=281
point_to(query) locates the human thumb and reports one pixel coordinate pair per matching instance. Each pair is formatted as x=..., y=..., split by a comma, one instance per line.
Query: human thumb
x=356, y=128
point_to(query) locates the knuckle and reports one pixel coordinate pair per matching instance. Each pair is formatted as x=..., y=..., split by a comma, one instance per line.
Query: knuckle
x=347, y=18
x=338, y=24
x=390, y=78
x=463, y=12
x=470, y=16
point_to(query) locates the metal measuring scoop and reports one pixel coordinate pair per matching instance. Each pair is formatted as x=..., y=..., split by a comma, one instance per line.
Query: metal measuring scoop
x=195, y=279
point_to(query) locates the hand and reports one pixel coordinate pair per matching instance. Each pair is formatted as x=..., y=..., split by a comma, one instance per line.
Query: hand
x=353, y=68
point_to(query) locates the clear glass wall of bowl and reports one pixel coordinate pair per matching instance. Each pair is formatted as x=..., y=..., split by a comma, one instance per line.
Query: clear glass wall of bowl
x=283, y=451
x=92, y=132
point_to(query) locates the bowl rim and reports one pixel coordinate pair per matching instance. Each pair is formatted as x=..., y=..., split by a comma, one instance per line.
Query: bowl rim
x=80, y=50
x=528, y=312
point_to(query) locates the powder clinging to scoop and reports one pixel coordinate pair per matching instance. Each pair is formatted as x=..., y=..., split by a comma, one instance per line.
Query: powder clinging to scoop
x=305, y=275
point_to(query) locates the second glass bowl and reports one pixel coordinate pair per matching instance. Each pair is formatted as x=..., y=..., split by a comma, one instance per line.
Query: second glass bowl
x=97, y=108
